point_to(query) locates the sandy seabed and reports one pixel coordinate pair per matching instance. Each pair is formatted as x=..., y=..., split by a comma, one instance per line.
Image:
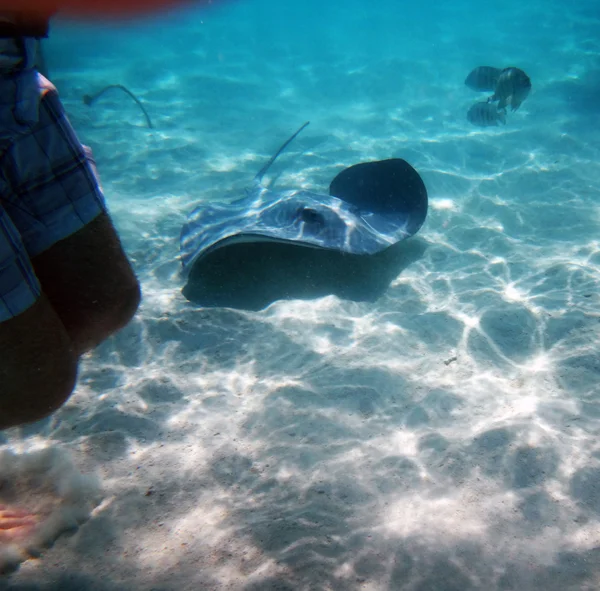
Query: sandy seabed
x=441, y=438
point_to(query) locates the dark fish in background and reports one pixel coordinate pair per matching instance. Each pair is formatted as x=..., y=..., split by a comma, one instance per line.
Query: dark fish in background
x=483, y=78
x=513, y=87
x=485, y=115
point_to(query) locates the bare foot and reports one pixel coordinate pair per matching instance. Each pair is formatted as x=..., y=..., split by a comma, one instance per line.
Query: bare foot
x=17, y=529
x=43, y=497
x=15, y=524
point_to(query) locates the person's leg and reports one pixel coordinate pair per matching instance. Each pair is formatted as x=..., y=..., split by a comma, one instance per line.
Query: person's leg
x=53, y=195
x=38, y=366
x=65, y=282
x=89, y=283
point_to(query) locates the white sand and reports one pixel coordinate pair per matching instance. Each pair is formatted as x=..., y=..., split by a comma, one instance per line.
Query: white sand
x=443, y=438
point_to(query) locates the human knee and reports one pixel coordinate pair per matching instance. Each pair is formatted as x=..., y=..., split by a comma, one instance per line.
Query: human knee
x=124, y=308
x=51, y=396
x=132, y=298
x=39, y=391
x=38, y=366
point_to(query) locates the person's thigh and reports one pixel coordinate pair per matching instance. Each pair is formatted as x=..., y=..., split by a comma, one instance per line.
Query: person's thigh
x=52, y=193
x=89, y=282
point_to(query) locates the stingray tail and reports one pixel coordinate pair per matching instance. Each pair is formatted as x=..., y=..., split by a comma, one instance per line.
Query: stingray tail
x=89, y=99
x=263, y=170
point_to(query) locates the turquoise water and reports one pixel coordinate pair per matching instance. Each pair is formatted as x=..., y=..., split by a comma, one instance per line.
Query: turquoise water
x=443, y=437
x=236, y=74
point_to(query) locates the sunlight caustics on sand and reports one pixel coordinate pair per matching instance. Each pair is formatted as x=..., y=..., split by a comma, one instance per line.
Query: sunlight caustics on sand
x=443, y=436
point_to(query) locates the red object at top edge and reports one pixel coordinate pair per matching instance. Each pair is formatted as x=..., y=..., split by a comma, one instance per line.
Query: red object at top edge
x=99, y=8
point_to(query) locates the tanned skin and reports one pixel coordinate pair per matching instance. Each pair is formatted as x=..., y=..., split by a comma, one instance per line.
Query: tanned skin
x=89, y=292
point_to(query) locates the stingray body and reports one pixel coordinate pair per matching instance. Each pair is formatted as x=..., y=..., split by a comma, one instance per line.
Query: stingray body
x=370, y=207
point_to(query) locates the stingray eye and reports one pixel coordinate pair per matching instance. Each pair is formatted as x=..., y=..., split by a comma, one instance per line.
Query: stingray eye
x=310, y=216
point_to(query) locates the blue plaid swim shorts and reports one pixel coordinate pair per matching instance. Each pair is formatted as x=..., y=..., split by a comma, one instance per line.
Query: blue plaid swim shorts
x=49, y=187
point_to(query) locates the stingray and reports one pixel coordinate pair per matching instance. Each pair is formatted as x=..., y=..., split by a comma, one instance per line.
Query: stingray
x=90, y=99
x=300, y=243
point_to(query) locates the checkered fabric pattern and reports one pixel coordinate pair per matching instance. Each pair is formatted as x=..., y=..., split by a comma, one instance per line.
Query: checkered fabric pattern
x=49, y=188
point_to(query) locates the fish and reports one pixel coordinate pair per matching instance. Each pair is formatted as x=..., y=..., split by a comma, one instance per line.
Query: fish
x=486, y=114
x=275, y=244
x=513, y=87
x=483, y=78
